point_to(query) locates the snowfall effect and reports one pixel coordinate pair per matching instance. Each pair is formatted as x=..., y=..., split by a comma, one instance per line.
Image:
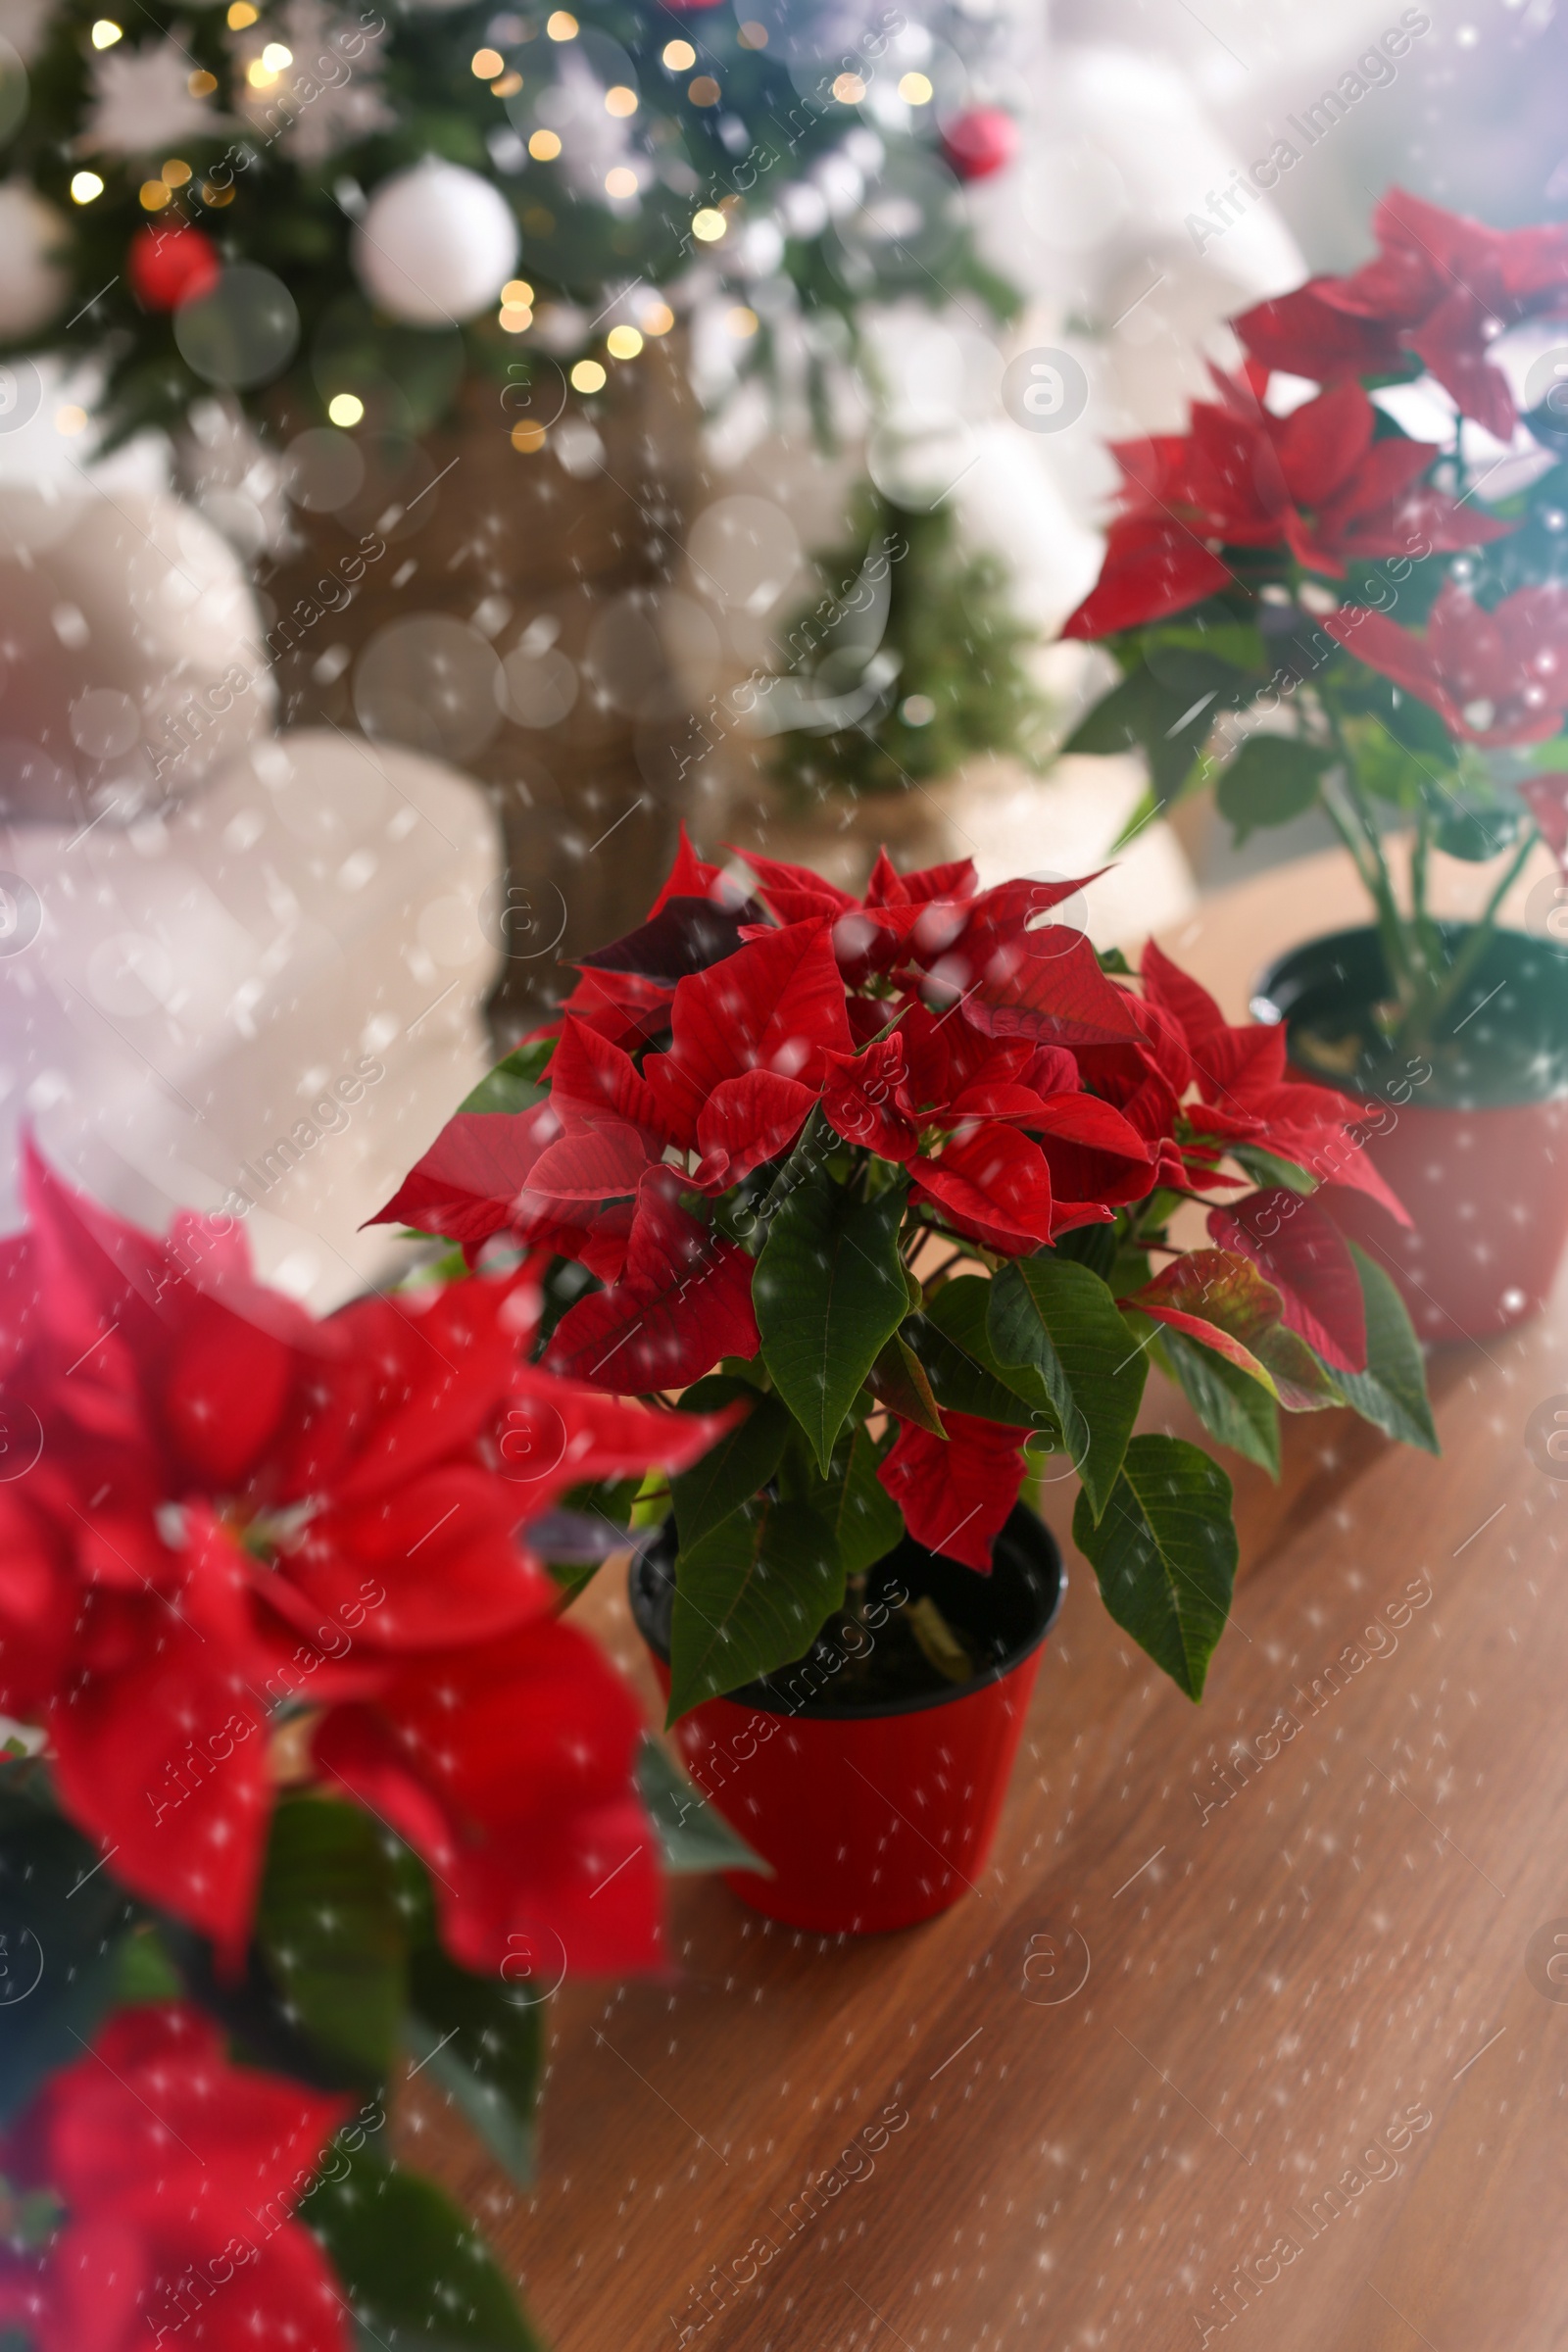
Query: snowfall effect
x=783, y=1098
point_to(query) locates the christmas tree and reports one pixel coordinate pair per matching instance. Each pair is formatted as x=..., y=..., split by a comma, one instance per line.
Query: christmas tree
x=361, y=206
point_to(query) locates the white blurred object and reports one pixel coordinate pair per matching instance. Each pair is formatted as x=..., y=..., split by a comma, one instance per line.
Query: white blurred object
x=33, y=284
x=40, y=451
x=143, y=103
x=436, y=244
x=1064, y=824
x=131, y=665
x=267, y=996
x=1092, y=224
x=22, y=24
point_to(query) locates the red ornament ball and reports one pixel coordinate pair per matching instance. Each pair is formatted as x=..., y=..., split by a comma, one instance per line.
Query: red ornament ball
x=982, y=141
x=167, y=267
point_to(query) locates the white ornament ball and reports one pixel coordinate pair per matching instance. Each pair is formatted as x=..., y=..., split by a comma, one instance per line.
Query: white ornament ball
x=436, y=245
x=33, y=284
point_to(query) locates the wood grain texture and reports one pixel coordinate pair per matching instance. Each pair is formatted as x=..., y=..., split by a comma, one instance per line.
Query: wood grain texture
x=1275, y=1976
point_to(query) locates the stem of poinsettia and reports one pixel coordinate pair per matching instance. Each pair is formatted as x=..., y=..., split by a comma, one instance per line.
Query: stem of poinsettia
x=1417, y=1027
x=1376, y=880
x=1419, y=855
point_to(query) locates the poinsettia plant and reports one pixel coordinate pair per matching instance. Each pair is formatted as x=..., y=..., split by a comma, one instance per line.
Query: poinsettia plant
x=896, y=1176
x=1343, y=592
x=308, y=1774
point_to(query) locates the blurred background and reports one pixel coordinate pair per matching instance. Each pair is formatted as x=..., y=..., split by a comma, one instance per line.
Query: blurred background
x=445, y=449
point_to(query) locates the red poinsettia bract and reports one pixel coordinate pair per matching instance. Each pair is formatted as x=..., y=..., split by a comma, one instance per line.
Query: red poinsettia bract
x=1495, y=679
x=1439, y=289
x=178, y=2176
x=235, y=1510
x=964, y=1036
x=1316, y=482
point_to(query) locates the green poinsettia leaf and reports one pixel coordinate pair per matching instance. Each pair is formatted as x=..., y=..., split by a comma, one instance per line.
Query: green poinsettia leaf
x=417, y=2274
x=693, y=1835
x=898, y=1381
x=514, y=1084
x=1266, y=1167
x=749, y=1598
x=829, y=1292
x=852, y=1501
x=953, y=1346
x=482, y=2040
x=1302, y=1383
x=1272, y=779
x=1234, y=1408
x=734, y=1469
x=1165, y=1553
x=1061, y=1319
x=1168, y=715
x=330, y=1931
x=1391, y=1392
x=65, y=1928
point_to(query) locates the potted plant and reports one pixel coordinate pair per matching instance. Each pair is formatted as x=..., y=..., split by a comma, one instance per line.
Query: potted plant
x=891, y=1179
x=1339, y=602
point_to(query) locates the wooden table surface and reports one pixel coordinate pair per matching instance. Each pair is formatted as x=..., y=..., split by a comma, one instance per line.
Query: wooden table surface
x=1336, y=1979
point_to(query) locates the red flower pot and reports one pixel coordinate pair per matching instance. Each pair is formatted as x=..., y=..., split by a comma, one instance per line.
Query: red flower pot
x=1484, y=1178
x=871, y=1816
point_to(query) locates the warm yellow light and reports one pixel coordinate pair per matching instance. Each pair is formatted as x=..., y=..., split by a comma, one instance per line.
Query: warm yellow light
x=276, y=56
x=526, y=439
x=200, y=83
x=517, y=293
x=174, y=174
x=345, y=408
x=753, y=35
x=240, y=15
x=216, y=197
x=259, y=76
x=708, y=225
x=621, y=101
x=657, y=318
x=515, y=318
x=70, y=419
x=588, y=376
x=741, y=321
x=621, y=181
x=105, y=32
x=544, y=146
x=508, y=86
x=84, y=186
x=563, y=26
x=486, y=63
x=703, y=91
x=848, y=89
x=624, y=342
x=678, y=55
x=154, y=195
x=915, y=90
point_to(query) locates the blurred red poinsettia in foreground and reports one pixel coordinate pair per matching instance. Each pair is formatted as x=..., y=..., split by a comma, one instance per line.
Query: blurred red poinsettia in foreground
x=236, y=1512
x=171, y=2179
